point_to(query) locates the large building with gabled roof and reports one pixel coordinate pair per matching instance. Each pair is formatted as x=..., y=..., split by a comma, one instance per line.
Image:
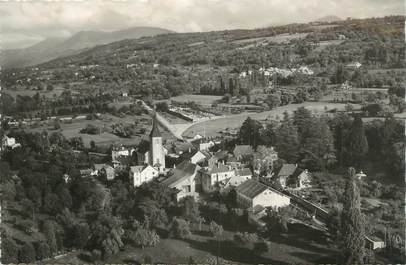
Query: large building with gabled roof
x=252, y=193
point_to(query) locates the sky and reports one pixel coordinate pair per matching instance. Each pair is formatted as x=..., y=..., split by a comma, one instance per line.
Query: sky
x=26, y=22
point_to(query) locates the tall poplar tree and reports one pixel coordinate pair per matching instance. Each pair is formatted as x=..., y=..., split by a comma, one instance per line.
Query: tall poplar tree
x=352, y=236
x=357, y=144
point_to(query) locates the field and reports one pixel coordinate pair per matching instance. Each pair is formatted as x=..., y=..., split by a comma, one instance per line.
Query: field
x=281, y=38
x=324, y=44
x=213, y=127
x=49, y=94
x=70, y=130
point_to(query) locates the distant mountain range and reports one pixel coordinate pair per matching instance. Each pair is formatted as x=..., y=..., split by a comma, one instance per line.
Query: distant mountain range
x=328, y=19
x=52, y=48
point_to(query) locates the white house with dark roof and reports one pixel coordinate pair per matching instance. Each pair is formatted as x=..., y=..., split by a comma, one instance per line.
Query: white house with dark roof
x=252, y=193
x=216, y=174
x=200, y=156
x=291, y=176
x=183, y=179
x=142, y=174
x=9, y=142
x=241, y=175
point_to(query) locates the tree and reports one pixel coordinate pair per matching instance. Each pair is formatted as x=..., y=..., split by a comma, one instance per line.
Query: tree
x=250, y=132
x=260, y=247
x=9, y=250
x=190, y=209
x=26, y=253
x=143, y=237
x=352, y=223
x=215, y=229
x=82, y=234
x=317, y=150
x=268, y=135
x=180, y=228
x=273, y=101
x=42, y=250
x=162, y=106
x=287, y=141
x=301, y=119
x=57, y=124
x=49, y=232
x=357, y=144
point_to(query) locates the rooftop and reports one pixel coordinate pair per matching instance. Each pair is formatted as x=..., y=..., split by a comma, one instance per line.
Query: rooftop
x=244, y=172
x=251, y=188
x=155, y=131
x=287, y=170
x=182, y=171
x=242, y=150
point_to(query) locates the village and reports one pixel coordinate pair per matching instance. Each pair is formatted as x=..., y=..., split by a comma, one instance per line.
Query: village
x=241, y=143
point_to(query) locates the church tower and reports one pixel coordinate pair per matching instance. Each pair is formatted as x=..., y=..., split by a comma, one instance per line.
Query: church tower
x=156, y=151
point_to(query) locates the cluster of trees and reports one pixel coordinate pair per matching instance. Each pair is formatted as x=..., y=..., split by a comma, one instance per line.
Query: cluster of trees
x=319, y=142
x=123, y=130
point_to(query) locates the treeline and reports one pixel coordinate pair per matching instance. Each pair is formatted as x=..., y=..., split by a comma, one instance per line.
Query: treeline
x=321, y=142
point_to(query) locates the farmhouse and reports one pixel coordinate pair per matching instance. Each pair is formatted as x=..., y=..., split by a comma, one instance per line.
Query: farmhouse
x=142, y=174
x=9, y=142
x=183, y=179
x=116, y=152
x=241, y=175
x=372, y=242
x=290, y=176
x=252, y=193
x=241, y=151
x=108, y=172
x=216, y=174
x=200, y=157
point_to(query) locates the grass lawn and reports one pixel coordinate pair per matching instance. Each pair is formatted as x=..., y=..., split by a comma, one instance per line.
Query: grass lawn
x=70, y=130
x=301, y=245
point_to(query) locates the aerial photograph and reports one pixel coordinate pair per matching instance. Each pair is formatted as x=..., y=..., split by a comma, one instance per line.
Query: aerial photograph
x=202, y=132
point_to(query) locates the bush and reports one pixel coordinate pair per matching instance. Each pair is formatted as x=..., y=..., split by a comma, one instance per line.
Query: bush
x=180, y=228
x=260, y=247
x=142, y=237
x=96, y=255
x=215, y=229
x=42, y=250
x=9, y=251
x=245, y=239
x=26, y=253
x=90, y=129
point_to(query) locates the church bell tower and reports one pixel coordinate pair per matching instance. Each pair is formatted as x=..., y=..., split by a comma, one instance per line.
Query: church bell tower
x=156, y=152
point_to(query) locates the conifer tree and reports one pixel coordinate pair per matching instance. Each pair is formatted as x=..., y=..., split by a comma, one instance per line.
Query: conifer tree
x=357, y=144
x=352, y=237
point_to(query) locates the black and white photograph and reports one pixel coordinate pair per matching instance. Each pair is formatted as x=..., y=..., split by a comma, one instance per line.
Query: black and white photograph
x=203, y=132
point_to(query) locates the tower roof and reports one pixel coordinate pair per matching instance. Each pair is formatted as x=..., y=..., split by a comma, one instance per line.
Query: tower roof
x=155, y=131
